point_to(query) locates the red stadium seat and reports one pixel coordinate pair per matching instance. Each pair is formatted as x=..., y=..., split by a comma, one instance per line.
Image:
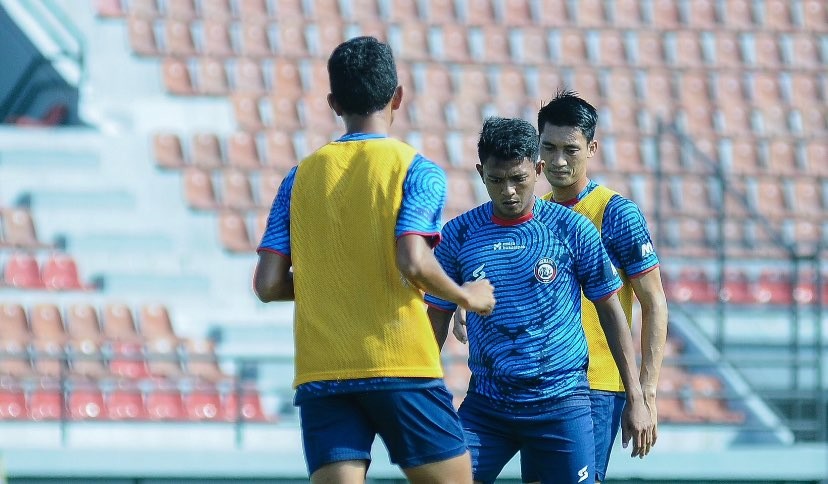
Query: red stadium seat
x=708, y=402
x=773, y=287
x=60, y=272
x=125, y=404
x=233, y=232
x=202, y=405
x=109, y=8
x=738, y=289
x=12, y=404
x=167, y=150
x=22, y=271
x=86, y=403
x=249, y=410
x=693, y=285
x=127, y=360
x=46, y=403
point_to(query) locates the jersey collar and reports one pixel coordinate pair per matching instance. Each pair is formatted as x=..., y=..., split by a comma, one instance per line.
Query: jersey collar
x=361, y=136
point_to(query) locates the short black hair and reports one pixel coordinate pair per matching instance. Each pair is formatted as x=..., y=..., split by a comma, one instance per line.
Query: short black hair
x=363, y=75
x=568, y=109
x=507, y=139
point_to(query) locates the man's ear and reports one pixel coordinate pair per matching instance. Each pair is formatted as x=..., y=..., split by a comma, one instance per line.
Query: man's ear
x=396, y=99
x=539, y=167
x=332, y=102
x=479, y=170
x=592, y=148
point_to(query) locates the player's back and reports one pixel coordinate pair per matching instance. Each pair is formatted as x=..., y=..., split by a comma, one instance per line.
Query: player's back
x=349, y=293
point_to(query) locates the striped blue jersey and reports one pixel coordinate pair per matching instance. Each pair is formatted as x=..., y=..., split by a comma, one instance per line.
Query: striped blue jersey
x=624, y=233
x=421, y=211
x=532, y=347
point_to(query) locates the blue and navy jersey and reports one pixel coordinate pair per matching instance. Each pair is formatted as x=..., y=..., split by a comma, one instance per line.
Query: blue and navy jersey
x=625, y=234
x=532, y=347
x=421, y=209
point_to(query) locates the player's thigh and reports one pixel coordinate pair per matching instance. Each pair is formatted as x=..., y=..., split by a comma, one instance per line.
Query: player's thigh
x=418, y=426
x=456, y=470
x=491, y=440
x=344, y=472
x=559, y=448
x=607, y=408
x=335, y=429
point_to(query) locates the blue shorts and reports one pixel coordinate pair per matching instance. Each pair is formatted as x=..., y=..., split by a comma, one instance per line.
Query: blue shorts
x=555, y=445
x=606, y=420
x=418, y=427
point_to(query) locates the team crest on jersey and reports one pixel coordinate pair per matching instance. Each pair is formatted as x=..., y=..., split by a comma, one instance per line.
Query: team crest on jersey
x=546, y=270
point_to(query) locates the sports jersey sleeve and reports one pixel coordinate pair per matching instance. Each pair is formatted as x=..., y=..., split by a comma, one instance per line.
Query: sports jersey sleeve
x=446, y=254
x=424, y=196
x=626, y=237
x=276, y=237
x=593, y=268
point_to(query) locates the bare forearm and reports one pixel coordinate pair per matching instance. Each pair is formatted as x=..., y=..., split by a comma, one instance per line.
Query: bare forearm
x=653, y=340
x=439, y=324
x=613, y=322
x=429, y=276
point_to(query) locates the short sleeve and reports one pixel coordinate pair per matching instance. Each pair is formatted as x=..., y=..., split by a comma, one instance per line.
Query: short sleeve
x=424, y=196
x=446, y=254
x=626, y=236
x=593, y=268
x=276, y=237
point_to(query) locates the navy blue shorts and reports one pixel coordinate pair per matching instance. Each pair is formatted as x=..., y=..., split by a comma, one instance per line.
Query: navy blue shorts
x=555, y=443
x=606, y=420
x=418, y=427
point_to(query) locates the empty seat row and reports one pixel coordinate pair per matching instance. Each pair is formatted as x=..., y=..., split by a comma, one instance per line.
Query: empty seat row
x=80, y=321
x=58, y=272
x=693, y=285
x=236, y=190
x=159, y=404
x=490, y=44
x=90, y=359
x=740, y=14
x=271, y=150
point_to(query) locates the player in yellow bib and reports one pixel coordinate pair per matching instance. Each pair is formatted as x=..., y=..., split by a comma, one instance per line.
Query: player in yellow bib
x=356, y=221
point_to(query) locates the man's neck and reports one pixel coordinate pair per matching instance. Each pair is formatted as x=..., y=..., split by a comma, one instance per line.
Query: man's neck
x=565, y=194
x=374, y=123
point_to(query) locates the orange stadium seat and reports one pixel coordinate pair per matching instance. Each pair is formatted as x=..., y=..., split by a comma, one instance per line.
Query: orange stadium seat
x=142, y=37
x=162, y=358
x=178, y=39
x=216, y=10
x=109, y=8
x=247, y=77
x=82, y=322
x=177, y=77
x=259, y=226
x=285, y=79
x=118, y=324
x=738, y=15
x=201, y=361
x=622, y=13
x=47, y=359
x=776, y=15
x=180, y=9
x=167, y=150
x=573, y=49
x=280, y=151
x=205, y=151
x=255, y=40
x=708, y=402
x=198, y=189
x=285, y=112
x=727, y=51
x=472, y=82
x=212, y=79
x=517, y=13
x=233, y=232
x=13, y=322
x=666, y=15
x=14, y=360
x=766, y=50
x=815, y=15
x=254, y=11
x=216, y=41
x=143, y=9
x=86, y=359
x=47, y=323
x=156, y=323
x=702, y=14
x=19, y=229
x=242, y=151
